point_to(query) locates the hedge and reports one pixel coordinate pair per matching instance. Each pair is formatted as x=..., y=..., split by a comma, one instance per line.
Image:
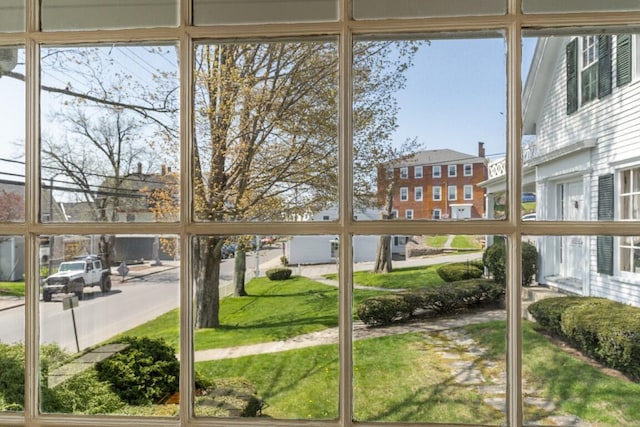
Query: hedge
x=437, y=300
x=494, y=258
x=605, y=330
x=459, y=271
x=278, y=273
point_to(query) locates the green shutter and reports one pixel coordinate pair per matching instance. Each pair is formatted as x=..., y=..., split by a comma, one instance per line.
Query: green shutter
x=572, y=76
x=605, y=81
x=623, y=59
x=604, y=244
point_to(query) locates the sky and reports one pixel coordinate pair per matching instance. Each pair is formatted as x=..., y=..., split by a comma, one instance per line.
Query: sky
x=455, y=96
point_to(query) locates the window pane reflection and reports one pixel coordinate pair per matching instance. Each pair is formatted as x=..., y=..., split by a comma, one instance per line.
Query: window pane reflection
x=429, y=339
x=580, y=331
x=103, y=352
x=266, y=326
x=110, y=134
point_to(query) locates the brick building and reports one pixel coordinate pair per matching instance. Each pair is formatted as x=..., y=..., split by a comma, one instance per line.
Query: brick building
x=436, y=184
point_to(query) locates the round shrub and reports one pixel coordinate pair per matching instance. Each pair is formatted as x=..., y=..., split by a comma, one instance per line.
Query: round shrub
x=143, y=373
x=278, y=273
x=382, y=310
x=459, y=271
x=494, y=258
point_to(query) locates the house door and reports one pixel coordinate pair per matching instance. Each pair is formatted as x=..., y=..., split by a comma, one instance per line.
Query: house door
x=573, y=247
x=460, y=212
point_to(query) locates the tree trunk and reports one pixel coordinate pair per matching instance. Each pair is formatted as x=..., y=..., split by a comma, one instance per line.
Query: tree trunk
x=383, y=255
x=240, y=266
x=207, y=256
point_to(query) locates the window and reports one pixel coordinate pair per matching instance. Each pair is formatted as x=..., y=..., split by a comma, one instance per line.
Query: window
x=437, y=192
x=394, y=214
x=319, y=120
x=404, y=172
x=417, y=194
x=325, y=217
x=630, y=210
x=404, y=194
x=452, y=192
x=417, y=172
x=468, y=192
x=468, y=169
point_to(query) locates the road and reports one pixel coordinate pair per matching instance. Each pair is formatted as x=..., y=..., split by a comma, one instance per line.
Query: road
x=99, y=316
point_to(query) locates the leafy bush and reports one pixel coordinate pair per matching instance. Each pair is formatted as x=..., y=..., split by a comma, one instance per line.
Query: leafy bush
x=284, y=261
x=494, y=258
x=84, y=393
x=11, y=377
x=436, y=300
x=459, y=271
x=279, y=273
x=143, y=373
x=606, y=330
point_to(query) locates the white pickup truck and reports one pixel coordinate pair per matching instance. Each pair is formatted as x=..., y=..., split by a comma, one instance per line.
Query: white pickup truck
x=73, y=276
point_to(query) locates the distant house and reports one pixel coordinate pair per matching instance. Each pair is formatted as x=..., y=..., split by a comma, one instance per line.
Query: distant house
x=436, y=184
x=581, y=103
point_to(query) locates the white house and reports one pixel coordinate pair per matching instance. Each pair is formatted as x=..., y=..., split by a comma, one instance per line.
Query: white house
x=324, y=249
x=581, y=111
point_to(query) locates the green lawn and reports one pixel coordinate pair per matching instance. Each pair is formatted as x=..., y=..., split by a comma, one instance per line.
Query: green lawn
x=274, y=310
x=15, y=289
x=466, y=242
x=436, y=241
x=399, y=278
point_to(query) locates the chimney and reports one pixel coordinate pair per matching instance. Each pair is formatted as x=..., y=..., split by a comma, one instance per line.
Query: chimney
x=164, y=169
x=481, y=149
x=139, y=168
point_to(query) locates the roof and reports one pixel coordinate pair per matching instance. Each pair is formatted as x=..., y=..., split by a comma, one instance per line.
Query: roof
x=437, y=157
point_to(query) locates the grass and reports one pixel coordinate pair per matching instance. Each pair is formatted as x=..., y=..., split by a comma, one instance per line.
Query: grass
x=466, y=242
x=274, y=310
x=575, y=386
x=436, y=241
x=14, y=289
x=399, y=278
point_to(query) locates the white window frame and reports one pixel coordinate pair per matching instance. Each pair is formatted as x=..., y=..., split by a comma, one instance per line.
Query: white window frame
x=404, y=172
x=452, y=195
x=404, y=194
x=436, y=193
x=183, y=35
x=437, y=214
x=467, y=188
x=436, y=171
x=394, y=214
x=470, y=167
x=626, y=246
x=417, y=172
x=452, y=171
x=417, y=194
x=408, y=213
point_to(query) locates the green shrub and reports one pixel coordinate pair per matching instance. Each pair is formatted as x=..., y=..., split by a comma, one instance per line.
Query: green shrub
x=278, y=273
x=11, y=377
x=606, y=330
x=435, y=300
x=459, y=271
x=494, y=259
x=145, y=372
x=84, y=393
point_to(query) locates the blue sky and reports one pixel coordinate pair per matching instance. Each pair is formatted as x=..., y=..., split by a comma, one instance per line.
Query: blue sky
x=455, y=96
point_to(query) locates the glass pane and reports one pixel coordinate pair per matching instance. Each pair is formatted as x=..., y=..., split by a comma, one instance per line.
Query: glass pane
x=580, y=331
x=12, y=15
x=550, y=6
x=266, y=338
x=578, y=147
x=108, y=14
x=381, y=9
x=266, y=131
x=429, y=338
x=211, y=12
x=103, y=351
x=408, y=99
x=12, y=123
x=110, y=148
x=12, y=294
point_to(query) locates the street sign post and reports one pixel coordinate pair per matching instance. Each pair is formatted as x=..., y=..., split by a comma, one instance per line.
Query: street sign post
x=69, y=303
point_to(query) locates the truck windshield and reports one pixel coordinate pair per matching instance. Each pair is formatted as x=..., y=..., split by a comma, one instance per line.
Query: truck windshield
x=68, y=266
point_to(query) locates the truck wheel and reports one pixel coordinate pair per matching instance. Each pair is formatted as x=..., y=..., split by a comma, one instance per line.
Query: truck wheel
x=105, y=284
x=46, y=296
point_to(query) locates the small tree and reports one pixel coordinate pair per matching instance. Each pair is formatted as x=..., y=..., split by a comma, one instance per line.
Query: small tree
x=494, y=258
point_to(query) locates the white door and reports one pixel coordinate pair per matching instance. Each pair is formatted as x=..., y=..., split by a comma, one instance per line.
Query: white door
x=573, y=247
x=460, y=212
